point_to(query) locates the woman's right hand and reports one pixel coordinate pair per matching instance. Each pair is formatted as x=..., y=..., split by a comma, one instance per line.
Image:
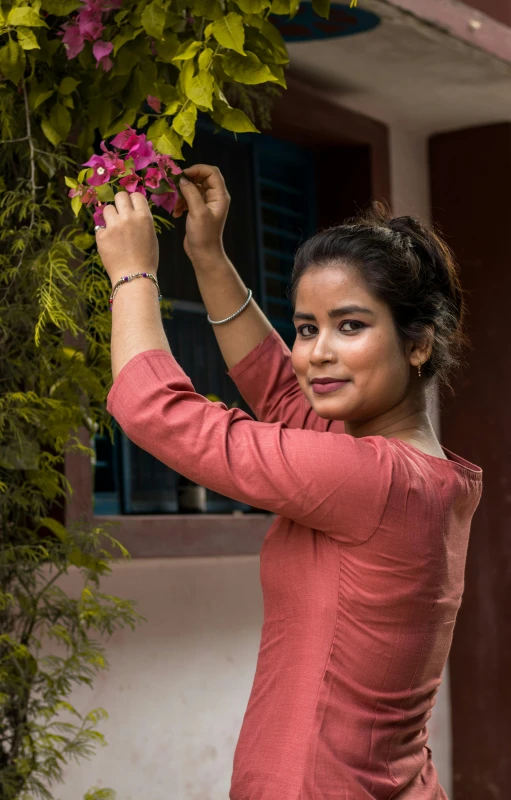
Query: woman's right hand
x=206, y=199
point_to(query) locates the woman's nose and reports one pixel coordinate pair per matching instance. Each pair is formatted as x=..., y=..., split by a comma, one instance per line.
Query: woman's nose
x=322, y=353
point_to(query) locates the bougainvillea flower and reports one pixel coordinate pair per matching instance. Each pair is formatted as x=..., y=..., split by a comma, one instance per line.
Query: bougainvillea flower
x=154, y=102
x=130, y=182
x=103, y=168
x=89, y=23
x=77, y=191
x=98, y=216
x=167, y=201
x=87, y=194
x=72, y=39
x=153, y=177
x=166, y=164
x=142, y=152
x=102, y=52
x=122, y=138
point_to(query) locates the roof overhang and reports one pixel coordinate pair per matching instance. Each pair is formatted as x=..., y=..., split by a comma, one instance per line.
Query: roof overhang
x=432, y=65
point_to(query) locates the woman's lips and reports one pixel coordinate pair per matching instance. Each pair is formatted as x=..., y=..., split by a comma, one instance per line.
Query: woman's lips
x=324, y=388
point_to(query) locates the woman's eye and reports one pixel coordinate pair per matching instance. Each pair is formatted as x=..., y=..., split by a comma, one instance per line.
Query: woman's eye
x=305, y=330
x=356, y=326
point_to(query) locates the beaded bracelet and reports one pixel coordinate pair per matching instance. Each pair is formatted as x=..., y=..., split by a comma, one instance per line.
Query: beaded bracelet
x=128, y=278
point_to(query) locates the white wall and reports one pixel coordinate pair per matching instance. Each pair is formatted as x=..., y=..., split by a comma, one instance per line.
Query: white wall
x=178, y=687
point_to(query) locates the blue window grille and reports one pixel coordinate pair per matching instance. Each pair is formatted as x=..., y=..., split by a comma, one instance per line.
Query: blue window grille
x=272, y=184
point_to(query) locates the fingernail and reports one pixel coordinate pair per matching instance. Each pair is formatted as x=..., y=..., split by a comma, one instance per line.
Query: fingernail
x=184, y=180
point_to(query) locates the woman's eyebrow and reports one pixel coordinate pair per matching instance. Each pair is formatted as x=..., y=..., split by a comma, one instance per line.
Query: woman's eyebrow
x=335, y=312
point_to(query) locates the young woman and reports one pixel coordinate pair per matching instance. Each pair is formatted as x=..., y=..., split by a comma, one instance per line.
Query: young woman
x=362, y=571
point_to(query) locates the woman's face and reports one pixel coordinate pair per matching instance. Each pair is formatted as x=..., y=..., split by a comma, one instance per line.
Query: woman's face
x=350, y=362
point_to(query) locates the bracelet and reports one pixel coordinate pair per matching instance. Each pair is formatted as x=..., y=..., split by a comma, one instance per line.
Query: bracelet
x=128, y=278
x=228, y=319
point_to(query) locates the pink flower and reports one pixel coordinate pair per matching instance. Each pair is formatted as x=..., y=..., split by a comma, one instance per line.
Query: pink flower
x=77, y=191
x=122, y=138
x=142, y=152
x=87, y=194
x=167, y=201
x=130, y=182
x=154, y=102
x=89, y=23
x=153, y=177
x=165, y=163
x=101, y=52
x=72, y=39
x=152, y=45
x=98, y=216
x=103, y=168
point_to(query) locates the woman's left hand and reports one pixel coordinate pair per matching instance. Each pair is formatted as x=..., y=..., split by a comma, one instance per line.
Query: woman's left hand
x=128, y=243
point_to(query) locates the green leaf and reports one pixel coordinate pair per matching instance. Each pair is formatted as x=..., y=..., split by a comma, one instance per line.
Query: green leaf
x=165, y=92
x=82, y=174
x=42, y=97
x=76, y=205
x=169, y=143
x=278, y=75
x=68, y=85
x=171, y=108
x=274, y=36
x=83, y=241
x=209, y=9
x=71, y=182
x=289, y=7
x=27, y=39
x=153, y=19
x=184, y=123
x=233, y=119
x=200, y=89
x=128, y=118
x=60, y=120
x=55, y=527
x=127, y=34
x=25, y=15
x=167, y=50
x=156, y=129
x=142, y=121
x=60, y=8
x=12, y=61
x=50, y=132
x=206, y=58
x=321, y=7
x=246, y=69
x=229, y=32
x=187, y=50
x=253, y=6
x=105, y=192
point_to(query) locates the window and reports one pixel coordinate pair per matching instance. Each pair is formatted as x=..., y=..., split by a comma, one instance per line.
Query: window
x=273, y=205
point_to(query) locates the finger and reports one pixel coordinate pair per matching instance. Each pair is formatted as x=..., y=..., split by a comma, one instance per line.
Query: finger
x=180, y=208
x=212, y=181
x=209, y=176
x=140, y=203
x=193, y=196
x=123, y=203
x=110, y=214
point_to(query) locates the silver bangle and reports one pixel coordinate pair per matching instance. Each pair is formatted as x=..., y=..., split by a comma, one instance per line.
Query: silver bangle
x=228, y=319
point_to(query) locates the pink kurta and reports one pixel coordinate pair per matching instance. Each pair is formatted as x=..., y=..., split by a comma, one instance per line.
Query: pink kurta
x=362, y=575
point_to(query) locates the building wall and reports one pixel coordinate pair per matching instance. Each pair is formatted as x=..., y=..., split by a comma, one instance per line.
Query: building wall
x=178, y=687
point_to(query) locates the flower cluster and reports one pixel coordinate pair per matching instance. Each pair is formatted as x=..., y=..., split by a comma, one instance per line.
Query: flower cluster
x=88, y=26
x=133, y=165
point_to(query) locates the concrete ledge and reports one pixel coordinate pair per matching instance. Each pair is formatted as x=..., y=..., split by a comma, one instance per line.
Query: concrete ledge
x=169, y=536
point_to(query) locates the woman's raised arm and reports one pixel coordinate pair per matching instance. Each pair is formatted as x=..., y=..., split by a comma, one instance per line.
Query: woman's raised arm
x=223, y=292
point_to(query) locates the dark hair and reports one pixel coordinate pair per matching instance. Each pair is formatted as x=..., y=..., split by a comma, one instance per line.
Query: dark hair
x=405, y=263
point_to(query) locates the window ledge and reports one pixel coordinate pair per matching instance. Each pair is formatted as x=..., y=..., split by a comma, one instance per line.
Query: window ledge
x=187, y=535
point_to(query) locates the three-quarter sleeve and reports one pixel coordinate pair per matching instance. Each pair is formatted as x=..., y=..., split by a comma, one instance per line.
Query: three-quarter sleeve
x=304, y=475
x=267, y=382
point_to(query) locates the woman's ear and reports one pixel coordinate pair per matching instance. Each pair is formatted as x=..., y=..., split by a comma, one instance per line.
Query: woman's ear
x=420, y=351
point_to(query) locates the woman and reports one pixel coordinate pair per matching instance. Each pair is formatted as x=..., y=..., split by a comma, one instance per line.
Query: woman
x=362, y=572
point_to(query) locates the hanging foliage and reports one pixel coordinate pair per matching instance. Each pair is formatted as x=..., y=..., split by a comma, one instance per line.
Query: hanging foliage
x=71, y=74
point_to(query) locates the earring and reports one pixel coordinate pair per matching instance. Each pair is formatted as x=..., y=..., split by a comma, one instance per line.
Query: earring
x=419, y=370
